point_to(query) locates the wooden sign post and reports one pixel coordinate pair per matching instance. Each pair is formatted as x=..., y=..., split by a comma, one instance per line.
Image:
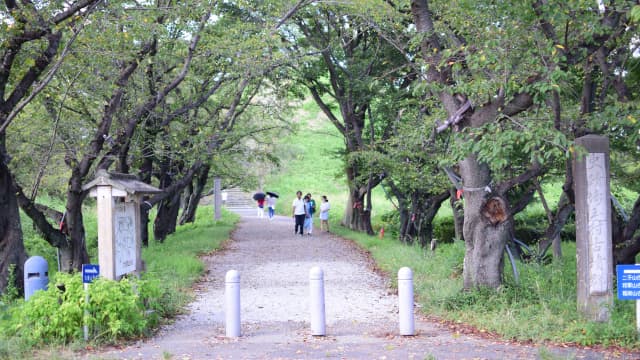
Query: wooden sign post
x=119, y=238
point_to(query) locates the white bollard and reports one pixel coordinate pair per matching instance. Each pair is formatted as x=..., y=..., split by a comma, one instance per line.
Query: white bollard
x=316, y=280
x=232, y=302
x=405, y=301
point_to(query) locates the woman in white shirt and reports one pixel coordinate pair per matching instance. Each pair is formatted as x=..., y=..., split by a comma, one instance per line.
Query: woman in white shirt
x=324, y=213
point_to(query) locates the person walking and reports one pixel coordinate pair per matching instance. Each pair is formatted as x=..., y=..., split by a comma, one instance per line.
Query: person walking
x=298, y=213
x=308, y=219
x=311, y=211
x=324, y=213
x=260, y=207
x=271, y=203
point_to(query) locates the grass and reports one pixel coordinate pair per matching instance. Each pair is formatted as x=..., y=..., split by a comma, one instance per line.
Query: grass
x=541, y=308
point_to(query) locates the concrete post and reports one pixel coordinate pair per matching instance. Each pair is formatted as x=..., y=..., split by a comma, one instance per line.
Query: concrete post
x=232, y=303
x=405, y=301
x=217, y=198
x=316, y=280
x=593, y=228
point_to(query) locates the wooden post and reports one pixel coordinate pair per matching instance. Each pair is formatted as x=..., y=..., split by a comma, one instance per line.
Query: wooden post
x=106, y=246
x=137, y=200
x=119, y=237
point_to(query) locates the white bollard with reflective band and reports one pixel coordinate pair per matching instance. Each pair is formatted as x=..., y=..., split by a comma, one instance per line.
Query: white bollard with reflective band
x=232, y=303
x=405, y=301
x=316, y=280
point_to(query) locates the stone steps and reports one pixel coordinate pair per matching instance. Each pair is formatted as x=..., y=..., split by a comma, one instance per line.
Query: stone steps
x=238, y=199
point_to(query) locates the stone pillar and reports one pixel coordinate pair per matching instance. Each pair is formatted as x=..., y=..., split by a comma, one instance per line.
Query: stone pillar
x=593, y=228
x=217, y=198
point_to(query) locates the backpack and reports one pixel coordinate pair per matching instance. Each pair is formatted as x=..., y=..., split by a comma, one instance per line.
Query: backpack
x=313, y=206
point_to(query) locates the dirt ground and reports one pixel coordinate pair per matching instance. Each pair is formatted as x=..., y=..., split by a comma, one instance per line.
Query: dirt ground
x=361, y=309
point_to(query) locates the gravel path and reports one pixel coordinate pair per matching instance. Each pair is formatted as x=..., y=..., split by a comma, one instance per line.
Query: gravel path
x=361, y=310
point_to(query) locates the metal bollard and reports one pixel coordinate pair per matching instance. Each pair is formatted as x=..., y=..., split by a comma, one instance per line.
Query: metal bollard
x=316, y=281
x=405, y=301
x=232, y=303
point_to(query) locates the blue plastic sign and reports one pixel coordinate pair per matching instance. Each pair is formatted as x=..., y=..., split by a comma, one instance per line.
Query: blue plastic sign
x=628, y=282
x=90, y=272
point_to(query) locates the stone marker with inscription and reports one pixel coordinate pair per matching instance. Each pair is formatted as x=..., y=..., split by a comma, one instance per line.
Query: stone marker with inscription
x=593, y=228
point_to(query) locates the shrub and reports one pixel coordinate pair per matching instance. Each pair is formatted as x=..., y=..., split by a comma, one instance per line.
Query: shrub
x=444, y=229
x=116, y=309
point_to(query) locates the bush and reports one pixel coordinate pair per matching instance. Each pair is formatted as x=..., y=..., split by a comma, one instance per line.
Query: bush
x=391, y=222
x=444, y=229
x=116, y=309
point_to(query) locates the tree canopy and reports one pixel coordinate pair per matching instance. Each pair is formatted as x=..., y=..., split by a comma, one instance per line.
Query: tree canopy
x=434, y=100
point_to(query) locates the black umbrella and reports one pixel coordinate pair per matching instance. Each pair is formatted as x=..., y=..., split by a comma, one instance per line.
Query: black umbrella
x=258, y=196
x=272, y=194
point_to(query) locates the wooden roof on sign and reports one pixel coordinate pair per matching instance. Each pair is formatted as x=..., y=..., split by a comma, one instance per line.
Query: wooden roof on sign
x=125, y=182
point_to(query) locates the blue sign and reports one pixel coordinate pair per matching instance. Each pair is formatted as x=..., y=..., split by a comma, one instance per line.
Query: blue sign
x=90, y=272
x=628, y=282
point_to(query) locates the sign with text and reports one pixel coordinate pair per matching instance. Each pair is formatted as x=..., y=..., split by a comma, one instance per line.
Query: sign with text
x=89, y=272
x=628, y=282
x=125, y=237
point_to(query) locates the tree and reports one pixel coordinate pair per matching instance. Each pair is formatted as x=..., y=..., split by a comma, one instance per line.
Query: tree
x=413, y=173
x=349, y=75
x=480, y=84
x=30, y=42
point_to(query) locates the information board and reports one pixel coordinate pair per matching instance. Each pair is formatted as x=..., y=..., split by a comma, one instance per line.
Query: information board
x=628, y=282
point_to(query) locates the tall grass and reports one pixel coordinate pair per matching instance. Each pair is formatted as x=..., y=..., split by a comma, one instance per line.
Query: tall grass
x=541, y=307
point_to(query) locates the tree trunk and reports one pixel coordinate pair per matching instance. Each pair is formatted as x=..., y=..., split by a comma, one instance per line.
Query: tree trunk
x=189, y=213
x=74, y=252
x=626, y=244
x=12, y=250
x=405, y=226
x=486, y=228
x=144, y=223
x=356, y=216
x=166, y=219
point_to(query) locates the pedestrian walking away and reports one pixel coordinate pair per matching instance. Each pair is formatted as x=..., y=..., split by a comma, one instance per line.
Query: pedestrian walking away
x=261, y=207
x=324, y=213
x=271, y=204
x=298, y=213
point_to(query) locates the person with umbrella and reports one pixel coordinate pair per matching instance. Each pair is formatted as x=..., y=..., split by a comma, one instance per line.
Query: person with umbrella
x=260, y=197
x=271, y=203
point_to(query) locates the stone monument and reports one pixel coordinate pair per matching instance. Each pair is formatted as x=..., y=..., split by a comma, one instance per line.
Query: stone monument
x=593, y=228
